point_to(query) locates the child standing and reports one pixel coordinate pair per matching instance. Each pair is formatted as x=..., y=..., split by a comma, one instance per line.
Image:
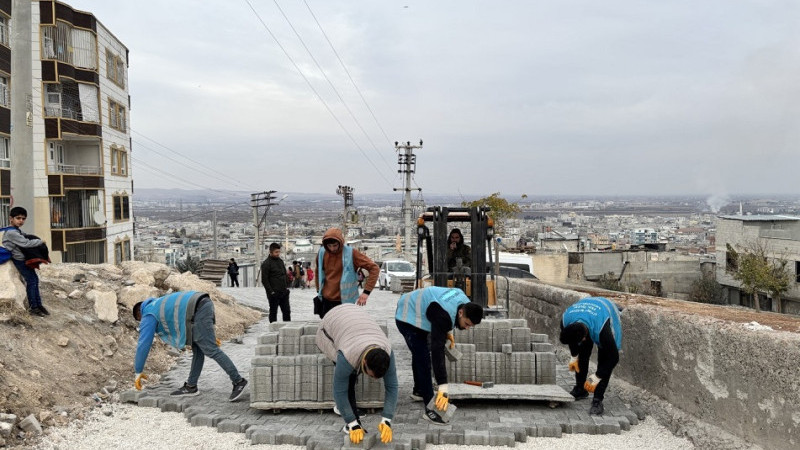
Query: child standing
x=14, y=240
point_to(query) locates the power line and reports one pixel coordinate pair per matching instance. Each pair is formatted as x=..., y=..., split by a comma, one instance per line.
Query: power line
x=319, y=97
x=330, y=83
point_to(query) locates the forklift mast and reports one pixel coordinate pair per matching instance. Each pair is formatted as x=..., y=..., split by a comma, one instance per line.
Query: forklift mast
x=436, y=246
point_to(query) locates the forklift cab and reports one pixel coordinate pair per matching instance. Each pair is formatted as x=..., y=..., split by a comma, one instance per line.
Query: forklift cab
x=476, y=281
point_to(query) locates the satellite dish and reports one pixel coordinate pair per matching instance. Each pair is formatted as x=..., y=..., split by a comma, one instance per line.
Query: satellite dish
x=99, y=217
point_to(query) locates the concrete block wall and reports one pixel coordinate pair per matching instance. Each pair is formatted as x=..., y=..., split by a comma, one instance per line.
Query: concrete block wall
x=719, y=371
x=288, y=367
x=504, y=352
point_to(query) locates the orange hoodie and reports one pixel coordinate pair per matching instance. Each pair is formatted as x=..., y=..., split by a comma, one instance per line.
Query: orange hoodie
x=332, y=262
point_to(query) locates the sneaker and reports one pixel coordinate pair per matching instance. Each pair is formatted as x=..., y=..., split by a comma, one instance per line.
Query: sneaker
x=37, y=312
x=579, y=393
x=415, y=396
x=597, y=407
x=45, y=311
x=433, y=417
x=185, y=391
x=238, y=390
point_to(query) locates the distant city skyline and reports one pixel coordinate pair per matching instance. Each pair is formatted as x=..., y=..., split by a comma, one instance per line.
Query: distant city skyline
x=565, y=98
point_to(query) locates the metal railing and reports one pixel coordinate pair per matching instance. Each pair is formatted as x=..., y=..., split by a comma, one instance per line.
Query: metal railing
x=75, y=169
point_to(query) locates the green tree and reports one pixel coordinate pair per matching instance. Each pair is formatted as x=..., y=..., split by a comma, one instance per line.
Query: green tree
x=758, y=272
x=188, y=265
x=501, y=209
x=706, y=290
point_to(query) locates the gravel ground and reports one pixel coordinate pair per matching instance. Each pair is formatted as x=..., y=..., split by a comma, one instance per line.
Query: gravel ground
x=133, y=427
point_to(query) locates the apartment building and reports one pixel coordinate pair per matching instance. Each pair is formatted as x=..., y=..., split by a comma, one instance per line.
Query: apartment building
x=780, y=235
x=68, y=157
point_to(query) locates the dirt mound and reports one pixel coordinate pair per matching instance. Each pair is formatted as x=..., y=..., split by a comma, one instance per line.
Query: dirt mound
x=55, y=367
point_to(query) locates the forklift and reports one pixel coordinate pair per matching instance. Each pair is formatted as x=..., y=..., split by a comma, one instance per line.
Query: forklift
x=477, y=282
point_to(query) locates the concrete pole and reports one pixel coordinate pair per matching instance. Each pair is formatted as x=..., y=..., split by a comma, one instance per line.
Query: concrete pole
x=407, y=209
x=215, y=234
x=254, y=200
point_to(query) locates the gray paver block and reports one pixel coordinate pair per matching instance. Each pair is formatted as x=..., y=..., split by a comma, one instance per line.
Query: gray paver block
x=368, y=442
x=203, y=420
x=232, y=426
x=500, y=337
x=501, y=438
x=130, y=396
x=447, y=416
x=515, y=323
x=150, y=402
x=171, y=405
x=542, y=347
x=539, y=338
x=275, y=326
x=474, y=437
x=262, y=436
x=268, y=338
x=266, y=349
x=452, y=354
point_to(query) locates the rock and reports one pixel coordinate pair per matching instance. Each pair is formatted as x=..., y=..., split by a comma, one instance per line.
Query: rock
x=130, y=295
x=63, y=341
x=143, y=276
x=31, y=425
x=78, y=278
x=75, y=294
x=11, y=287
x=105, y=305
x=111, y=386
x=107, y=411
x=92, y=273
x=60, y=294
x=5, y=428
x=110, y=342
x=35, y=374
x=8, y=418
x=188, y=281
x=45, y=416
x=128, y=283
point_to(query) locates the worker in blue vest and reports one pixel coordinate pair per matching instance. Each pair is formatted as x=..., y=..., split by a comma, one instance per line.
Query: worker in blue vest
x=433, y=311
x=181, y=319
x=590, y=321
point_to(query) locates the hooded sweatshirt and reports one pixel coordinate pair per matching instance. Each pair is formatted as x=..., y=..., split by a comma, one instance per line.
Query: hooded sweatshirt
x=333, y=269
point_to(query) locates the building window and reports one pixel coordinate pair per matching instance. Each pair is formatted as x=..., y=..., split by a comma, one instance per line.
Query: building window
x=797, y=271
x=5, y=98
x=4, y=30
x=121, y=208
x=116, y=115
x=122, y=251
x=119, y=161
x=5, y=207
x=74, y=46
x=731, y=262
x=115, y=68
x=5, y=152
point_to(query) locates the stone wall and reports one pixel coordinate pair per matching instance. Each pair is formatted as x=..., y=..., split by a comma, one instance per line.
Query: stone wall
x=736, y=377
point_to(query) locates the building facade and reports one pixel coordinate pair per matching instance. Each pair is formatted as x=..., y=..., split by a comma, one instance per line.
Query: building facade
x=779, y=235
x=69, y=158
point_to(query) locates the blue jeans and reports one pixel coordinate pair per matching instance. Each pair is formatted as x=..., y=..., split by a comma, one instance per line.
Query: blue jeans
x=204, y=343
x=417, y=341
x=31, y=284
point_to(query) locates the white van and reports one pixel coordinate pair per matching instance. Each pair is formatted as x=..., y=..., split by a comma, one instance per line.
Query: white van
x=394, y=268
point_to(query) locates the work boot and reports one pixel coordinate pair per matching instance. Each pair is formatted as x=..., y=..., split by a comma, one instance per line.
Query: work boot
x=579, y=393
x=597, y=407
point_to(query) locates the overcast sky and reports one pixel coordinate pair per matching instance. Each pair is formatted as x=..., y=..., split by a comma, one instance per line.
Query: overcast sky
x=535, y=97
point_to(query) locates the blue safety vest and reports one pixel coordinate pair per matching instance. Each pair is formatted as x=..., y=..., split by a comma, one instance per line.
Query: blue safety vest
x=348, y=285
x=171, y=313
x=412, y=307
x=594, y=312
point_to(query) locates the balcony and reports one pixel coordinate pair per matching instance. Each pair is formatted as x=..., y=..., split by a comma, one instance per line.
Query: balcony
x=74, y=157
x=75, y=169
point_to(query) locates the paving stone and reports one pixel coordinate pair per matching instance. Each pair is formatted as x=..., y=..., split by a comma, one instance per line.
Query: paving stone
x=130, y=396
x=150, y=402
x=171, y=405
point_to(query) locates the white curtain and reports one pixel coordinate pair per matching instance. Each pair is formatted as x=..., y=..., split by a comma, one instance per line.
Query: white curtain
x=84, y=49
x=89, y=102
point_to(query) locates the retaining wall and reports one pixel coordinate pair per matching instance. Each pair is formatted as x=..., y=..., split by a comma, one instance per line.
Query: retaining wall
x=739, y=379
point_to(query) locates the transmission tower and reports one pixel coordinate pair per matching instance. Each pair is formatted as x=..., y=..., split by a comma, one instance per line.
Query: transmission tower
x=407, y=161
x=347, y=194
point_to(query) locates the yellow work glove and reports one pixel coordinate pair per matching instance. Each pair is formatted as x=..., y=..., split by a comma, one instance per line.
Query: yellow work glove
x=385, y=429
x=219, y=343
x=441, y=398
x=451, y=339
x=591, y=383
x=137, y=382
x=355, y=431
x=573, y=365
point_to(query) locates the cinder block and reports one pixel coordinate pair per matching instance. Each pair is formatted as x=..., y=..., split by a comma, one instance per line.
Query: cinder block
x=446, y=415
x=308, y=345
x=267, y=349
x=537, y=347
x=484, y=366
x=545, y=368
x=543, y=338
x=500, y=336
x=268, y=338
x=261, y=384
x=521, y=339
x=324, y=379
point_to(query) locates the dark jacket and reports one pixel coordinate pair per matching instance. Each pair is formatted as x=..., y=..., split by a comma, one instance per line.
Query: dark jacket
x=273, y=275
x=462, y=251
x=233, y=268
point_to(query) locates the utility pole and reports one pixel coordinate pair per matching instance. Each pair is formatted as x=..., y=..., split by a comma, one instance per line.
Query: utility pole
x=260, y=200
x=347, y=194
x=215, y=233
x=408, y=165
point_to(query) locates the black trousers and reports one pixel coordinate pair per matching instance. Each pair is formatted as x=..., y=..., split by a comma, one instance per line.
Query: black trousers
x=279, y=300
x=328, y=305
x=607, y=359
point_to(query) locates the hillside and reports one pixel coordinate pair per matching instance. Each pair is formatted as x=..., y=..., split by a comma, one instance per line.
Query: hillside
x=55, y=367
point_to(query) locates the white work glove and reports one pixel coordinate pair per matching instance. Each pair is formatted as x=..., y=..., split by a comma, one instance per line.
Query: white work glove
x=385, y=429
x=573, y=365
x=441, y=398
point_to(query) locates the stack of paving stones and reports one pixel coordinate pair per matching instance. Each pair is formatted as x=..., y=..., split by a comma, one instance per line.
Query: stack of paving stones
x=289, y=371
x=501, y=423
x=503, y=352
